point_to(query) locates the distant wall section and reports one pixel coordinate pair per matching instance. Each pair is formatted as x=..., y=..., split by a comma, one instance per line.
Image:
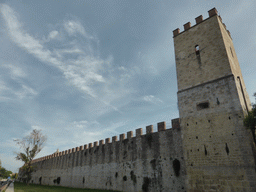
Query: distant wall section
x=149, y=162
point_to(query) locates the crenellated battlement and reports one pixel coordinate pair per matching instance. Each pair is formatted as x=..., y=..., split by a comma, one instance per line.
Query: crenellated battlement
x=161, y=126
x=128, y=158
x=213, y=12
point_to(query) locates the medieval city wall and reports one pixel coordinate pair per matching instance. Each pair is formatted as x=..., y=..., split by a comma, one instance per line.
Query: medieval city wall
x=150, y=162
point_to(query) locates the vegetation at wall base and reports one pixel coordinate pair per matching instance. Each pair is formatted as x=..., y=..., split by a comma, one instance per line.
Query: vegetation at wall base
x=250, y=119
x=23, y=187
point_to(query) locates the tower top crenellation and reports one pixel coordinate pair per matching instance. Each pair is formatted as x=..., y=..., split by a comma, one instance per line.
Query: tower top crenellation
x=199, y=20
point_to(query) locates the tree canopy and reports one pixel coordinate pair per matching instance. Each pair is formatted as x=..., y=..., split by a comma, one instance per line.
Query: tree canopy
x=30, y=146
x=4, y=173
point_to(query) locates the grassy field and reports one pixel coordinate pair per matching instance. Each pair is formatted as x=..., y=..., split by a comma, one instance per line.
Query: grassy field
x=21, y=187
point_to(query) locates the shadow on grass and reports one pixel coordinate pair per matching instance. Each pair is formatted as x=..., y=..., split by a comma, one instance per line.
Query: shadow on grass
x=22, y=187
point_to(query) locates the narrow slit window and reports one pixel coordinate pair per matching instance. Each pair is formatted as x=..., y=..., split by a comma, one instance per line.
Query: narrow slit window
x=197, y=50
x=203, y=105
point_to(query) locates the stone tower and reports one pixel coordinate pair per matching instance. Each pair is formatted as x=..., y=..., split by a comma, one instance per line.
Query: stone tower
x=219, y=151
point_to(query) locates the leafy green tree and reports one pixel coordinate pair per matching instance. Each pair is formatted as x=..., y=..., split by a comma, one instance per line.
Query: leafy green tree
x=5, y=173
x=2, y=172
x=30, y=145
x=8, y=174
x=250, y=119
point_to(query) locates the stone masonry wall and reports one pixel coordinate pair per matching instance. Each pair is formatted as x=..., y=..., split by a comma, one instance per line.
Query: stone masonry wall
x=150, y=162
x=217, y=147
x=219, y=151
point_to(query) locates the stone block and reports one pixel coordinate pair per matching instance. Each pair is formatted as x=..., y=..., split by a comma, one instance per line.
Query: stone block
x=212, y=12
x=161, y=126
x=149, y=129
x=107, y=140
x=176, y=123
x=176, y=32
x=138, y=132
x=129, y=135
x=114, y=139
x=187, y=26
x=199, y=19
x=102, y=142
x=121, y=137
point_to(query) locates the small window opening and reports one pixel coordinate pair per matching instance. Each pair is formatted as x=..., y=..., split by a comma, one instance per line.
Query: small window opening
x=197, y=50
x=205, y=151
x=227, y=149
x=218, y=102
x=203, y=105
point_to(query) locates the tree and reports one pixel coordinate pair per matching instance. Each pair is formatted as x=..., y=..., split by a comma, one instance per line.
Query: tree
x=250, y=119
x=2, y=172
x=5, y=173
x=30, y=145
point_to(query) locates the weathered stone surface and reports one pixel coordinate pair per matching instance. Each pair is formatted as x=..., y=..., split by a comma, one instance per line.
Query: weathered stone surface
x=126, y=165
x=212, y=102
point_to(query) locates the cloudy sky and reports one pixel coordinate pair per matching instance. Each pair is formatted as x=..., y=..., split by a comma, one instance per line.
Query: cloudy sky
x=82, y=71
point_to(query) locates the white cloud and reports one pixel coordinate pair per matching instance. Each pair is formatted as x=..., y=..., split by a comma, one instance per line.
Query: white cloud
x=152, y=99
x=53, y=34
x=86, y=125
x=79, y=64
x=15, y=71
x=94, y=131
x=9, y=93
x=122, y=68
x=82, y=76
x=61, y=52
x=74, y=27
x=2, y=86
x=25, y=92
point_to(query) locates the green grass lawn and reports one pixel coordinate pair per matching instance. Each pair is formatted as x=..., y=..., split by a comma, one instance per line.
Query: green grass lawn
x=21, y=187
